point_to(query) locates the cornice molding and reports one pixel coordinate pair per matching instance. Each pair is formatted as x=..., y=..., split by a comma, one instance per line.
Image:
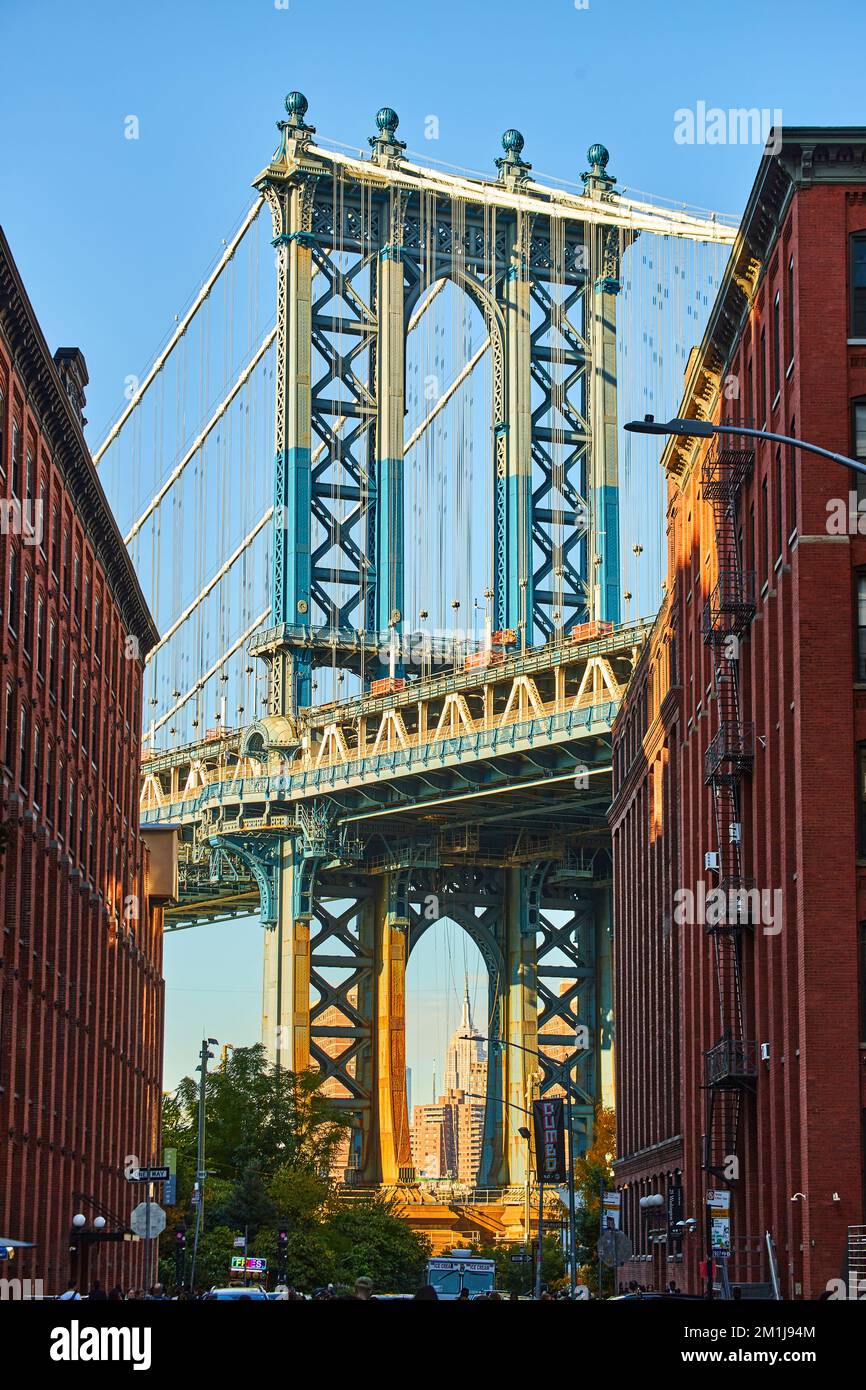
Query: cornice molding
x=49, y=402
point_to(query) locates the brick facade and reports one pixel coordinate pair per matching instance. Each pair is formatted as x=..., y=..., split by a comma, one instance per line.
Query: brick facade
x=778, y=353
x=81, y=991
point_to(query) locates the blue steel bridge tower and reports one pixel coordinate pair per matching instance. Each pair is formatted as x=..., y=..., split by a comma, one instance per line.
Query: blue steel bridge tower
x=479, y=794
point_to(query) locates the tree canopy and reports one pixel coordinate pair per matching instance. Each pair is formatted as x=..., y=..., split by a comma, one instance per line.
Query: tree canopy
x=271, y=1141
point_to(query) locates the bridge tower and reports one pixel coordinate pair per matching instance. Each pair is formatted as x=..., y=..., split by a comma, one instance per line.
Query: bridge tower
x=346, y=898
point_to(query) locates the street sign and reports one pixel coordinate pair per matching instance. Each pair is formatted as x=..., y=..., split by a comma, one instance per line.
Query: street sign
x=150, y=1175
x=142, y=1226
x=614, y=1248
x=169, y=1192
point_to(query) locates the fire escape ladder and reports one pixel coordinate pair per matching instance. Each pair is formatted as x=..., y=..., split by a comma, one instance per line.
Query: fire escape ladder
x=730, y=1067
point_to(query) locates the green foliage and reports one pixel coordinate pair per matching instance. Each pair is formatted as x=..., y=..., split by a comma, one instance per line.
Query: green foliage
x=247, y=1205
x=271, y=1138
x=365, y=1237
x=592, y=1171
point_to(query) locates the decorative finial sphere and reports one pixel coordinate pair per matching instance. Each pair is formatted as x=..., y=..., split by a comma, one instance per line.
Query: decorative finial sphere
x=297, y=105
x=597, y=154
x=513, y=142
x=387, y=120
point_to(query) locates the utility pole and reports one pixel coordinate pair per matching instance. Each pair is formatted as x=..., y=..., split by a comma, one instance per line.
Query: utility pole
x=204, y=1057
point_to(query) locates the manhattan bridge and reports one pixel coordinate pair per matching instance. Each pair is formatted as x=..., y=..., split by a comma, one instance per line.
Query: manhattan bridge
x=397, y=623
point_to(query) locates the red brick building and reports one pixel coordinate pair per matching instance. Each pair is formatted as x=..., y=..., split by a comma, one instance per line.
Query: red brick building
x=81, y=991
x=740, y=765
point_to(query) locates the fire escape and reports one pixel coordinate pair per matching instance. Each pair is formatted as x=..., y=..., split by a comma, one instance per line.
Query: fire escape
x=730, y=1067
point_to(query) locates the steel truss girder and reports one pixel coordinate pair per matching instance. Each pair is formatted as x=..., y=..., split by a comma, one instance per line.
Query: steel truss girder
x=559, y=364
x=353, y=233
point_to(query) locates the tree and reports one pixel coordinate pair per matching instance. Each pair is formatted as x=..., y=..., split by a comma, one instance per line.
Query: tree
x=592, y=1172
x=255, y=1114
x=366, y=1237
x=247, y=1206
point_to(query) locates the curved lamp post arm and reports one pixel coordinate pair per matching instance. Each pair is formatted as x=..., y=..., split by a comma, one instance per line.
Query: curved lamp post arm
x=704, y=429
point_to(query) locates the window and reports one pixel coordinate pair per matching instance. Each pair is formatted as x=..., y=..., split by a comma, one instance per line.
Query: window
x=857, y=276
x=28, y=477
x=66, y=563
x=39, y=522
x=858, y=442
x=789, y=314
x=76, y=577
x=28, y=614
x=780, y=506
x=52, y=658
x=23, y=760
x=61, y=804
x=861, y=800
x=792, y=476
x=13, y=589
x=49, y=781
x=55, y=540
x=861, y=626
x=84, y=715
x=73, y=706
x=82, y=831
x=87, y=608
x=777, y=349
x=765, y=529
x=16, y=459
x=8, y=750
x=40, y=637
x=762, y=379
x=97, y=630
x=2, y=436
x=37, y=765
x=64, y=670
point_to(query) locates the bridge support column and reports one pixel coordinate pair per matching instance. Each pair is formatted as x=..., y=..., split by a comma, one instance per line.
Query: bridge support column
x=292, y=557
x=513, y=596
x=390, y=371
x=286, y=974
x=391, y=928
x=520, y=1068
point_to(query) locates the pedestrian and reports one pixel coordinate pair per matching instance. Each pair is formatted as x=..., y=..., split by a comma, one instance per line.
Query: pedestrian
x=463, y=1296
x=672, y=1288
x=157, y=1294
x=70, y=1293
x=97, y=1292
x=116, y=1294
x=364, y=1289
x=736, y=1292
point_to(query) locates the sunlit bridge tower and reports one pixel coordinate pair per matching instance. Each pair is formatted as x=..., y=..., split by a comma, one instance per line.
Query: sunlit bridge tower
x=463, y=772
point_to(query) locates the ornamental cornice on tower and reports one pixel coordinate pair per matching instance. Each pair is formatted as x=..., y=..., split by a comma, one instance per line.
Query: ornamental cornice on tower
x=512, y=168
x=597, y=181
x=387, y=150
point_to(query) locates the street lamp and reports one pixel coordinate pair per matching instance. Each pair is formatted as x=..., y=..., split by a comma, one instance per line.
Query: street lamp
x=525, y=1134
x=572, y=1232
x=705, y=429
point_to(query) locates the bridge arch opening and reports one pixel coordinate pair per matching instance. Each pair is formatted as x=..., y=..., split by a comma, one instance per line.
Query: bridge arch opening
x=448, y=468
x=447, y=1021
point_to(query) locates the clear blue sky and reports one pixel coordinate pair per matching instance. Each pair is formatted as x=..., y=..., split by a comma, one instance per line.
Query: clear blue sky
x=112, y=234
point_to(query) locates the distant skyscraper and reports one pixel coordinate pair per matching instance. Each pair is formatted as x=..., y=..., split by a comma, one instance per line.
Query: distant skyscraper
x=447, y=1136
x=465, y=1052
